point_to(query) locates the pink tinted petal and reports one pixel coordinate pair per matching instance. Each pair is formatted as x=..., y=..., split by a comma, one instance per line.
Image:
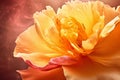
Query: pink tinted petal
x=49, y=66
x=63, y=60
x=54, y=63
x=36, y=74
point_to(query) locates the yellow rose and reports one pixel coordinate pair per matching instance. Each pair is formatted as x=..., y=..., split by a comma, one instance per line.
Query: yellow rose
x=82, y=38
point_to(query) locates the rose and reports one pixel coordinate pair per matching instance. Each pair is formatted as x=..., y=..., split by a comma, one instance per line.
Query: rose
x=82, y=38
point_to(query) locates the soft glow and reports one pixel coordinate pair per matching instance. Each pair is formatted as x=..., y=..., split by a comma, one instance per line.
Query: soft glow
x=78, y=36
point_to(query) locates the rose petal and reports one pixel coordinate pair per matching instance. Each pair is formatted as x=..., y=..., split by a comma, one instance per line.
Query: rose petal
x=109, y=27
x=85, y=13
x=46, y=26
x=36, y=74
x=106, y=10
x=30, y=41
x=31, y=46
x=63, y=60
x=49, y=66
x=107, y=51
x=38, y=59
x=118, y=9
x=84, y=70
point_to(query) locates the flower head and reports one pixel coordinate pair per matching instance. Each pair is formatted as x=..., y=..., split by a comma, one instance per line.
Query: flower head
x=79, y=37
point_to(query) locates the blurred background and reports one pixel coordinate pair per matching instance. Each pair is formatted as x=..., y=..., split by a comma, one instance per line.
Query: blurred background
x=15, y=17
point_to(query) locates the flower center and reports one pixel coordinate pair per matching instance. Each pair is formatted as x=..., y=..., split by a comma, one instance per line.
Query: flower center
x=74, y=32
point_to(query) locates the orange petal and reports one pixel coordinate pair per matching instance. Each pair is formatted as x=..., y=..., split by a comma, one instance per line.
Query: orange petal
x=109, y=27
x=30, y=41
x=106, y=10
x=118, y=9
x=107, y=51
x=36, y=74
x=105, y=58
x=63, y=60
x=47, y=28
x=37, y=59
x=31, y=46
x=85, y=13
x=85, y=70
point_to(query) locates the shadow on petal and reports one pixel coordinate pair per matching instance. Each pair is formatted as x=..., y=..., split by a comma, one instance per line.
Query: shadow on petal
x=85, y=69
x=36, y=74
x=107, y=51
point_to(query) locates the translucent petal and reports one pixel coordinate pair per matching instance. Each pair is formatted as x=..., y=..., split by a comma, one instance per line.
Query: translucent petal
x=118, y=9
x=30, y=41
x=31, y=46
x=109, y=27
x=46, y=26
